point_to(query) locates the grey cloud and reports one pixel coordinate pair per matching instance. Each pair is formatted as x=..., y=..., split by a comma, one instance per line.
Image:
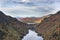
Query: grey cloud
x=47, y=6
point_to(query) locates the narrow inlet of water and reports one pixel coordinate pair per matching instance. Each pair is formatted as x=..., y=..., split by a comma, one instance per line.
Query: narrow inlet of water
x=32, y=35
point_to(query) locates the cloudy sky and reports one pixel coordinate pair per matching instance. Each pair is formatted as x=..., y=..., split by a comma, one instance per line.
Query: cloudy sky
x=28, y=8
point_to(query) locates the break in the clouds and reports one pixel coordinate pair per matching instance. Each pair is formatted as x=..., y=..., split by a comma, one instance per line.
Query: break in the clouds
x=27, y=8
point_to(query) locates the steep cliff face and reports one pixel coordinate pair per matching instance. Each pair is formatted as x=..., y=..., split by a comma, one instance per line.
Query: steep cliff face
x=49, y=28
x=11, y=28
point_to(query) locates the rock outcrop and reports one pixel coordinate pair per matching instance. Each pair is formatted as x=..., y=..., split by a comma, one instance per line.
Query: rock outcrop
x=49, y=28
x=11, y=28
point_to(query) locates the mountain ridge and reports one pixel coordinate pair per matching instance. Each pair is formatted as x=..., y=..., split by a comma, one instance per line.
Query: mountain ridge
x=11, y=28
x=49, y=28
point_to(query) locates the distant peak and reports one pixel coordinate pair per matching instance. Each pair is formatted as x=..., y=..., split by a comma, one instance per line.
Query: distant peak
x=1, y=13
x=58, y=12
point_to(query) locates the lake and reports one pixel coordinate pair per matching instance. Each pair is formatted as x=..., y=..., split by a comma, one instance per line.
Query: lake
x=32, y=35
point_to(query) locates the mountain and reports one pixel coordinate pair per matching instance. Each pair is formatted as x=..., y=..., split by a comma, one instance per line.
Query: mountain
x=49, y=28
x=36, y=20
x=30, y=19
x=11, y=28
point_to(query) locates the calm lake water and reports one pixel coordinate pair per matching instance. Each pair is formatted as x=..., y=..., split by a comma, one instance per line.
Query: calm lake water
x=32, y=35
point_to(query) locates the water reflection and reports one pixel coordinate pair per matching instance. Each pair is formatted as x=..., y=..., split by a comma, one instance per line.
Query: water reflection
x=32, y=35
